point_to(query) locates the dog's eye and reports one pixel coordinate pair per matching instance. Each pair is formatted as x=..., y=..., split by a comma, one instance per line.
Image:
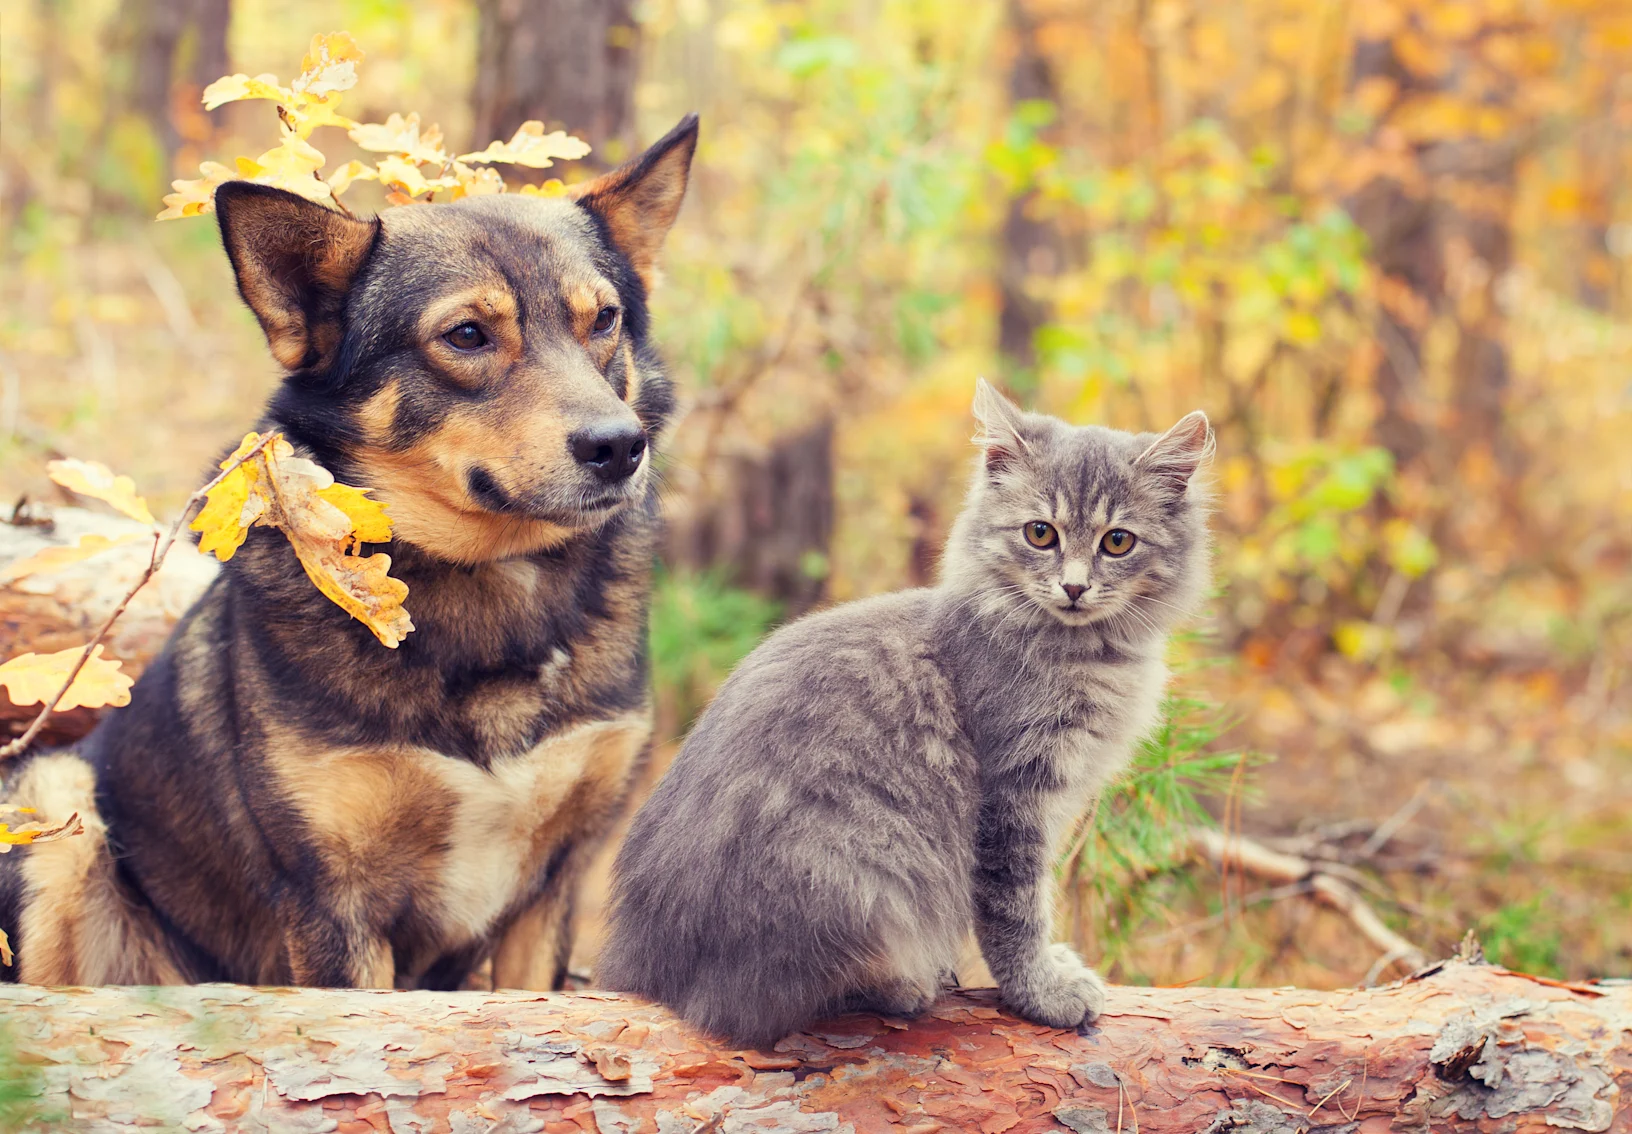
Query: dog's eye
x=466, y=336
x=1040, y=534
x=604, y=319
x=1117, y=542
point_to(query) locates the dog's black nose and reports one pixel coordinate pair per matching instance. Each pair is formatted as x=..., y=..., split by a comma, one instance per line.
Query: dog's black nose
x=612, y=450
x=1073, y=591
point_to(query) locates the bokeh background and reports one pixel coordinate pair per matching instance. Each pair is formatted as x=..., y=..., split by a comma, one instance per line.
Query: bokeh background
x=1385, y=244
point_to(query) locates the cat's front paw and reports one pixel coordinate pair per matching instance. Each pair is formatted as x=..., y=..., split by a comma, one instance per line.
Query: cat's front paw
x=1059, y=990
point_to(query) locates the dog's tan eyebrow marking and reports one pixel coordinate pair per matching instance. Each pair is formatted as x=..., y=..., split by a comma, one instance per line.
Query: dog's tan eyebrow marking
x=585, y=300
x=493, y=303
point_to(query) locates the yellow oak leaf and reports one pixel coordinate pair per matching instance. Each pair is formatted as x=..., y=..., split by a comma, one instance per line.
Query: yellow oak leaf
x=330, y=65
x=7, y=957
x=369, y=523
x=554, y=187
x=55, y=558
x=401, y=136
x=236, y=88
x=194, y=198
x=307, y=114
x=229, y=509
x=96, y=480
x=360, y=586
x=31, y=678
x=292, y=164
x=531, y=147
x=324, y=522
x=404, y=175
x=478, y=182
x=340, y=180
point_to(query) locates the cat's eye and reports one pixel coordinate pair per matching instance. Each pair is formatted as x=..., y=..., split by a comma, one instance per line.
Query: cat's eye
x=466, y=336
x=1117, y=541
x=605, y=318
x=1040, y=534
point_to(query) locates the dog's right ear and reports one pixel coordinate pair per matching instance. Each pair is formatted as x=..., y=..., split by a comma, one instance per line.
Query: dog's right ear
x=295, y=261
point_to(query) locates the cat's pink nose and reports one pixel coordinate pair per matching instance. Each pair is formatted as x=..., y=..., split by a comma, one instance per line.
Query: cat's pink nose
x=1073, y=591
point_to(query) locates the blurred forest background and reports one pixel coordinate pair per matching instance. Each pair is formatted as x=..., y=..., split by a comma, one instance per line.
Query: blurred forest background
x=1387, y=245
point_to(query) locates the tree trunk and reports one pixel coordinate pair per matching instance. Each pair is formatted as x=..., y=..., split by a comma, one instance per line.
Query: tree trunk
x=771, y=523
x=1437, y=206
x=569, y=63
x=1463, y=1048
x=1031, y=243
x=56, y=610
x=175, y=48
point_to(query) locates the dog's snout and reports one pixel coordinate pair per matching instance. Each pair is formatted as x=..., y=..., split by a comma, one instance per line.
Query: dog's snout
x=1073, y=591
x=610, y=450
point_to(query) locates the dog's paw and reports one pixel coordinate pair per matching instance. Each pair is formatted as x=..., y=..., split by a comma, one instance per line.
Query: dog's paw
x=1059, y=990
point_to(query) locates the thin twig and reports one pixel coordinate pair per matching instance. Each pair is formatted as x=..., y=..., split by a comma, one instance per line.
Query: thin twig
x=161, y=548
x=1250, y=855
x=1391, y=826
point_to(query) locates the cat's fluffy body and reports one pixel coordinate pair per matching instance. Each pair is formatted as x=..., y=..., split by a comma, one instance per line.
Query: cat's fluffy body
x=876, y=778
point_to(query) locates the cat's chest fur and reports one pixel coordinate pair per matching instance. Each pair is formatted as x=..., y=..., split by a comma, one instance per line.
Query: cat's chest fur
x=1058, y=728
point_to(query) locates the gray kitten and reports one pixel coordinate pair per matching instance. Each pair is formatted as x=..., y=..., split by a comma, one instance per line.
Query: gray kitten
x=876, y=777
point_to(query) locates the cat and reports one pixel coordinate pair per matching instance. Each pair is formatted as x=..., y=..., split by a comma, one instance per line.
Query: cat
x=875, y=778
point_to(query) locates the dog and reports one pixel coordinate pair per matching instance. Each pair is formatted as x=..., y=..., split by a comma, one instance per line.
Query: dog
x=287, y=801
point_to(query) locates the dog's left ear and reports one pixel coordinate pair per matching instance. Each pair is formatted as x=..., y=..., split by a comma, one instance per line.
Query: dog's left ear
x=639, y=200
x=295, y=261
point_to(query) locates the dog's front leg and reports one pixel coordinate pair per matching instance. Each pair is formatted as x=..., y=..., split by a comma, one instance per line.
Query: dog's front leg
x=534, y=949
x=325, y=953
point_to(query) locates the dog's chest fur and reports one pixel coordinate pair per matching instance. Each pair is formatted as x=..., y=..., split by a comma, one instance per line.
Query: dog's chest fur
x=450, y=846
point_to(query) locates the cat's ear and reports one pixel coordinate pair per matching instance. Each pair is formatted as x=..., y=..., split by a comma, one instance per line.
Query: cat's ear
x=1173, y=458
x=1000, y=423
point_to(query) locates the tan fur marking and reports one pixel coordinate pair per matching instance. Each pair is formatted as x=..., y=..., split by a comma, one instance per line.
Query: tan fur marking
x=378, y=413
x=77, y=925
x=423, y=489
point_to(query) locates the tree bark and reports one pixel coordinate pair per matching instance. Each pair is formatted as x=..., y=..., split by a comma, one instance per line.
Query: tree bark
x=56, y=610
x=770, y=522
x=1463, y=1048
x=569, y=63
x=1031, y=244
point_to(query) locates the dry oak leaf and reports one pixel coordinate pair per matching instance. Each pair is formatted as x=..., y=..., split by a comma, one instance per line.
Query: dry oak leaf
x=7, y=957
x=94, y=479
x=236, y=88
x=197, y=196
x=531, y=147
x=324, y=521
x=340, y=180
x=399, y=135
x=292, y=164
x=55, y=558
x=31, y=678
x=404, y=175
x=30, y=833
x=329, y=66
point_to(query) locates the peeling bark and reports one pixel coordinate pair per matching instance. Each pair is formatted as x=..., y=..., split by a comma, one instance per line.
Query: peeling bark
x=1463, y=1047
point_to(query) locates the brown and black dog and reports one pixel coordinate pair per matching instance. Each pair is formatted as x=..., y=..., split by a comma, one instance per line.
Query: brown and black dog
x=285, y=800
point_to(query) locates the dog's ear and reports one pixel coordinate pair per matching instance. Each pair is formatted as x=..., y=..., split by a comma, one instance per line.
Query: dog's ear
x=295, y=261
x=639, y=200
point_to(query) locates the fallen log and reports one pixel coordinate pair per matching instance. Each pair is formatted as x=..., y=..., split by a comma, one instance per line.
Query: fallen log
x=61, y=608
x=1460, y=1047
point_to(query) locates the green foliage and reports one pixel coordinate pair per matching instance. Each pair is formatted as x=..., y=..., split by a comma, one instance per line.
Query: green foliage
x=1523, y=936
x=1135, y=858
x=701, y=628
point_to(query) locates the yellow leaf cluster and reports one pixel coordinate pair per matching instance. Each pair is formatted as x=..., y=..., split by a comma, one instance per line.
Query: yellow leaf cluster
x=325, y=522
x=94, y=479
x=35, y=678
x=329, y=69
